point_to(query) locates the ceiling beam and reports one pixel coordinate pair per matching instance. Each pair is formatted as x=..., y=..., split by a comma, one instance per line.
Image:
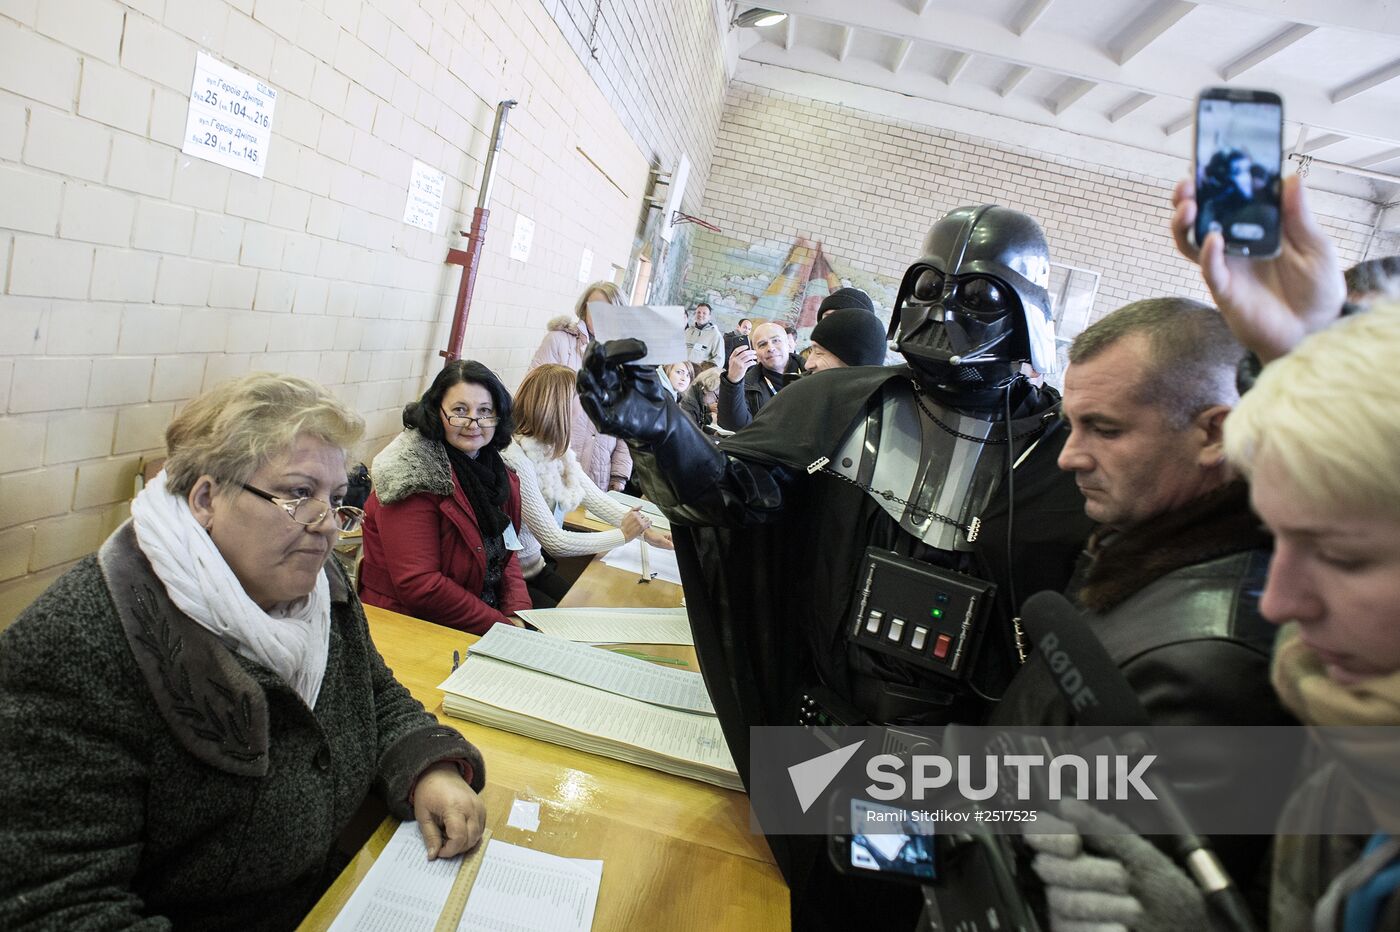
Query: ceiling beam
x=901, y=54
x=1146, y=28
x=1322, y=142
x=957, y=67
x=1155, y=71
x=1069, y=94
x=1362, y=15
x=1302, y=139
x=1027, y=15
x=1015, y=76
x=1380, y=158
x=1265, y=51
x=848, y=35
x=790, y=33
x=1366, y=82
x=1180, y=123
x=1128, y=105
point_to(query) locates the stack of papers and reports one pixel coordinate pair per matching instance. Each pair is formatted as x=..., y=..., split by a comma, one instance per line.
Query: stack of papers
x=593, y=700
x=613, y=625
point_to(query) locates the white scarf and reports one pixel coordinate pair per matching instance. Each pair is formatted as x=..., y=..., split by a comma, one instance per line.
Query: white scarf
x=560, y=477
x=293, y=640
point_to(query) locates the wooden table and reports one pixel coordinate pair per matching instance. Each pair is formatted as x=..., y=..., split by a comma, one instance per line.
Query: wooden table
x=677, y=854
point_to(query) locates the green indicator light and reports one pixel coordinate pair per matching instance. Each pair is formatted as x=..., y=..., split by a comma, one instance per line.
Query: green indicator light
x=936, y=612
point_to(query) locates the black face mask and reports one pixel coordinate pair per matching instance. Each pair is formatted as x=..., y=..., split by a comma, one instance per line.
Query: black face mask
x=960, y=314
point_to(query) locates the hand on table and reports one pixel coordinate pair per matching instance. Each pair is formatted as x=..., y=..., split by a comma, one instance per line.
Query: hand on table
x=1270, y=304
x=449, y=813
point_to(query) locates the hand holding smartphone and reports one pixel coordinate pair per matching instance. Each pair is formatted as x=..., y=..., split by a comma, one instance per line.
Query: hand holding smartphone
x=1238, y=169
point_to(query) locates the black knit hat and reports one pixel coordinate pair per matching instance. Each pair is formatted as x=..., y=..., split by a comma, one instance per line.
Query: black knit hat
x=845, y=297
x=852, y=335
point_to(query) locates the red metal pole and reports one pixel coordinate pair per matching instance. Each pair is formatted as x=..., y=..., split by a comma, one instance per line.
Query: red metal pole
x=470, y=257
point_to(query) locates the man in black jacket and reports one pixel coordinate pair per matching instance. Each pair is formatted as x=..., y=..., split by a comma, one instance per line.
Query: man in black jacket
x=754, y=375
x=1172, y=574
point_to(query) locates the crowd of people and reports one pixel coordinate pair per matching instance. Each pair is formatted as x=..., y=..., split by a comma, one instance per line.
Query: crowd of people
x=1227, y=537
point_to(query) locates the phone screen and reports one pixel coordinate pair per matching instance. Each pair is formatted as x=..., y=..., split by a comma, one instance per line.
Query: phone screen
x=894, y=844
x=1239, y=150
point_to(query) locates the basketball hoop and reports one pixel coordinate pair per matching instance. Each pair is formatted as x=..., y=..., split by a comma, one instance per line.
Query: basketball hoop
x=678, y=218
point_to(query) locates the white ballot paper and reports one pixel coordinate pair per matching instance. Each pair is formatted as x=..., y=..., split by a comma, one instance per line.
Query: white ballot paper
x=521, y=890
x=660, y=563
x=403, y=891
x=613, y=625
x=593, y=666
x=661, y=328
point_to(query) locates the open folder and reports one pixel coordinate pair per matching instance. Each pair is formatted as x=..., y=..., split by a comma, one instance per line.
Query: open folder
x=593, y=700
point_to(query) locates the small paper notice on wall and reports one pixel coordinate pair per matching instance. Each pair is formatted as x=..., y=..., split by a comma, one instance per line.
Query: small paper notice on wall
x=524, y=236
x=230, y=118
x=585, y=265
x=424, y=203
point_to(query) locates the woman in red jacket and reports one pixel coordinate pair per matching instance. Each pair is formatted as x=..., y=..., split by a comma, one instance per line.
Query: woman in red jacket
x=439, y=531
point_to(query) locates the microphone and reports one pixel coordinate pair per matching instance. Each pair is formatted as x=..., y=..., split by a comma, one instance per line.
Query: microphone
x=1099, y=694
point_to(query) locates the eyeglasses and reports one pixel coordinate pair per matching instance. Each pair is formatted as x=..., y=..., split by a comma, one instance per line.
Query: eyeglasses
x=466, y=420
x=310, y=512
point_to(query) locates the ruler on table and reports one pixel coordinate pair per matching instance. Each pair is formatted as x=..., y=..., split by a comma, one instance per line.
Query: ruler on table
x=456, y=904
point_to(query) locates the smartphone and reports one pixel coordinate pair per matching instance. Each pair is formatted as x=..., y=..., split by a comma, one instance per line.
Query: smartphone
x=1239, y=161
x=878, y=840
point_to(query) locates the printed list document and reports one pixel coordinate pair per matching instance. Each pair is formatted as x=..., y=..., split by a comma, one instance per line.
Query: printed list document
x=541, y=706
x=660, y=327
x=522, y=890
x=403, y=891
x=660, y=563
x=613, y=625
x=593, y=666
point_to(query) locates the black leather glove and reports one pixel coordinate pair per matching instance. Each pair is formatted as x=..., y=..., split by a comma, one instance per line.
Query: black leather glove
x=623, y=401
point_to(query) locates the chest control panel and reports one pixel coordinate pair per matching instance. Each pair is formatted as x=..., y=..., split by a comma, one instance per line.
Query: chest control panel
x=923, y=615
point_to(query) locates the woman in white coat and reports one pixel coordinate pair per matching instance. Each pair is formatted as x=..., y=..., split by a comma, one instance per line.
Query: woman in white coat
x=552, y=484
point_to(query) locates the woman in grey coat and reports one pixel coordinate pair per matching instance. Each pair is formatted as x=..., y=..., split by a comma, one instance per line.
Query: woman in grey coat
x=190, y=717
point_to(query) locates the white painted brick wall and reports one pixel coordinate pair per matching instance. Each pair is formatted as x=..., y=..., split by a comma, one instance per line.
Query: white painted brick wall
x=133, y=276
x=869, y=187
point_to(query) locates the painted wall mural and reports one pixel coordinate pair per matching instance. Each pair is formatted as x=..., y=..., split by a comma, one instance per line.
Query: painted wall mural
x=775, y=280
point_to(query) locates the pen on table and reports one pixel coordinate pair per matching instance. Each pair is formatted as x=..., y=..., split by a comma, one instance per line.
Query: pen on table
x=646, y=563
x=652, y=657
x=456, y=660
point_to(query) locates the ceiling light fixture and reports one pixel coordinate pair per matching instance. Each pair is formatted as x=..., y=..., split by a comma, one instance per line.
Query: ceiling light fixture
x=758, y=17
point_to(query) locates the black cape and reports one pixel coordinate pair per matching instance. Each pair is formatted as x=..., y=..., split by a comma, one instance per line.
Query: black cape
x=767, y=601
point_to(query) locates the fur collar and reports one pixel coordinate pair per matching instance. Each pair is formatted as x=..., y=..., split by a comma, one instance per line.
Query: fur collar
x=213, y=705
x=567, y=323
x=1215, y=525
x=560, y=478
x=410, y=464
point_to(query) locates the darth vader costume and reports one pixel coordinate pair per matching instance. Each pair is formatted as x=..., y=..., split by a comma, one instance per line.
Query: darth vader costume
x=948, y=461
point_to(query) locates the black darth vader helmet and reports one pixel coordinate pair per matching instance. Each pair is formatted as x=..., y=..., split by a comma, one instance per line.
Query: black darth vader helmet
x=976, y=305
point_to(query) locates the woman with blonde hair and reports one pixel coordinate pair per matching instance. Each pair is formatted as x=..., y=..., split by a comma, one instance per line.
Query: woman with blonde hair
x=191, y=717
x=552, y=485
x=605, y=459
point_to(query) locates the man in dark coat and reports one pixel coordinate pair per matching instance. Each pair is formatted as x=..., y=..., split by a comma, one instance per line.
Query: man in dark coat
x=1172, y=574
x=755, y=374
x=772, y=529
